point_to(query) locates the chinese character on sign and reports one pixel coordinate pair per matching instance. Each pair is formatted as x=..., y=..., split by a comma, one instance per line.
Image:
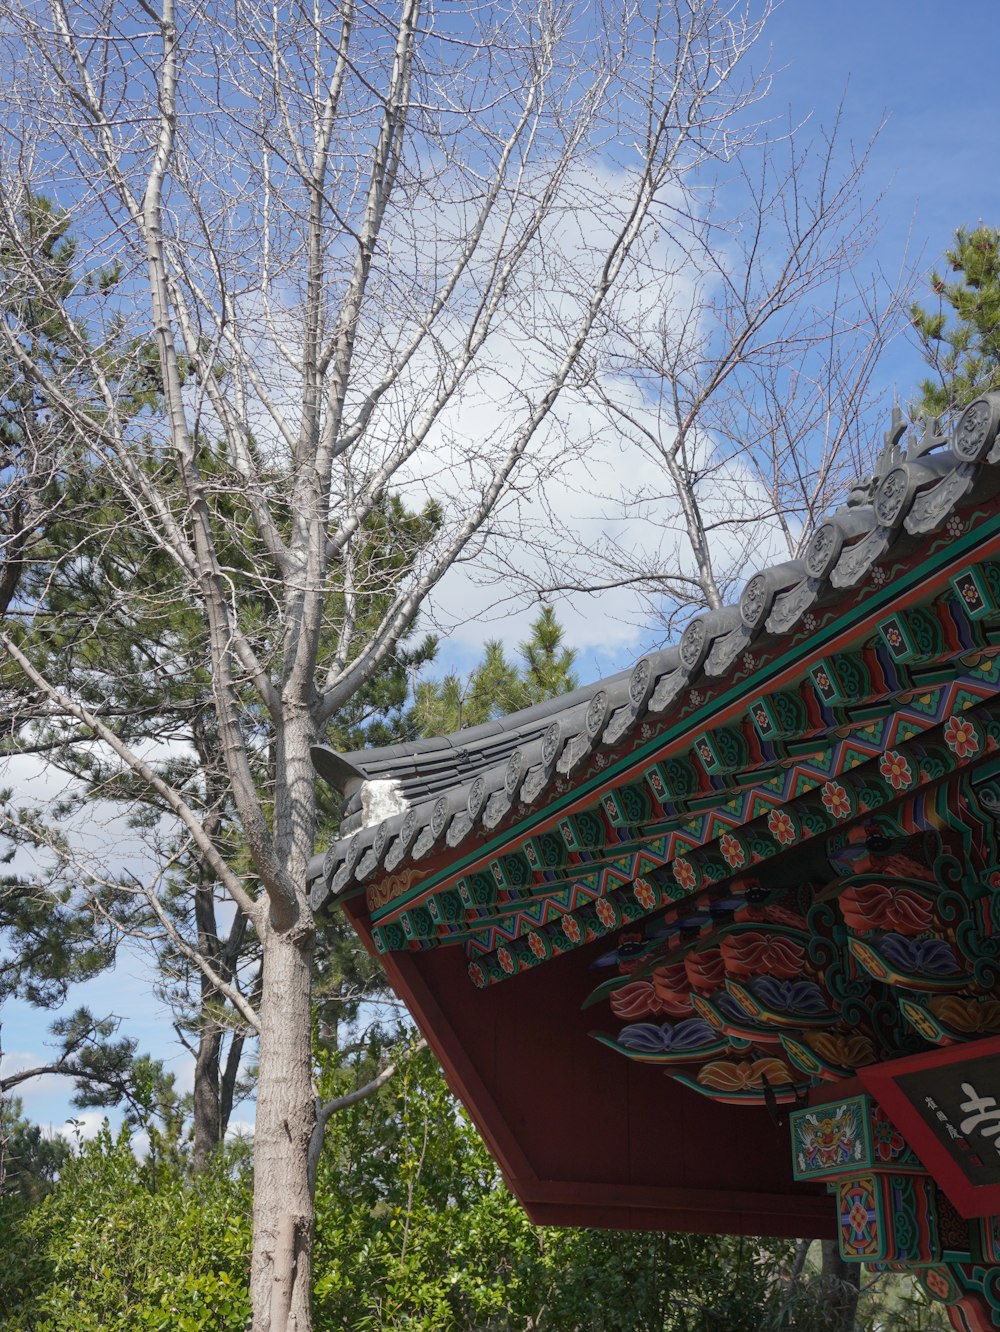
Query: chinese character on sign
x=982, y=1113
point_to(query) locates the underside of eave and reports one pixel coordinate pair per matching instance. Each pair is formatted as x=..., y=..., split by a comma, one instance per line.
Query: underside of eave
x=545, y=1132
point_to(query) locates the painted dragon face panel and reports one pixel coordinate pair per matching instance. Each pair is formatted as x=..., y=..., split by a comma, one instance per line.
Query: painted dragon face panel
x=828, y=1139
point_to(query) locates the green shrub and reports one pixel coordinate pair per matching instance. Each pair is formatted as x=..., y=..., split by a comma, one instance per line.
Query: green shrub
x=122, y=1244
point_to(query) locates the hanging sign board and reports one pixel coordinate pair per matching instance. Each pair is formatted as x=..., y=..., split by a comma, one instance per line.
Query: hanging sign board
x=946, y=1103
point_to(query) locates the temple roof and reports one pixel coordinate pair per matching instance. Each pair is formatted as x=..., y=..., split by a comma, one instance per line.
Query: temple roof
x=640, y=923
x=408, y=804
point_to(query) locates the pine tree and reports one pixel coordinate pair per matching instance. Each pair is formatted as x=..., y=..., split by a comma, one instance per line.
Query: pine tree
x=960, y=338
x=498, y=686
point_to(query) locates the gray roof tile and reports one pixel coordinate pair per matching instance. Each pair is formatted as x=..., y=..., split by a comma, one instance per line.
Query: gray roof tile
x=459, y=785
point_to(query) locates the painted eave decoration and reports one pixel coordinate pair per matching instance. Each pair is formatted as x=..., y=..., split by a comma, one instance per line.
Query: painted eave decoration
x=642, y=922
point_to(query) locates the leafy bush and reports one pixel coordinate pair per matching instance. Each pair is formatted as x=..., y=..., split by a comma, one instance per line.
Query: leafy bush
x=123, y=1244
x=416, y=1230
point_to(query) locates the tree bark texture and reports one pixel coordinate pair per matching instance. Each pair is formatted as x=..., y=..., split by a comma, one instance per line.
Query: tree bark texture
x=839, y=1286
x=286, y=1113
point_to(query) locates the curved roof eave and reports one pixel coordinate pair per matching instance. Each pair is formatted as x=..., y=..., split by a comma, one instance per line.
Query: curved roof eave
x=448, y=790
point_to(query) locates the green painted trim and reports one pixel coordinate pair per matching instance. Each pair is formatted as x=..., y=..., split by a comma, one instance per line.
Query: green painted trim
x=878, y=599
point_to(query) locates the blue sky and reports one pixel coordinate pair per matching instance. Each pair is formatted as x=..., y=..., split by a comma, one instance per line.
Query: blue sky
x=920, y=64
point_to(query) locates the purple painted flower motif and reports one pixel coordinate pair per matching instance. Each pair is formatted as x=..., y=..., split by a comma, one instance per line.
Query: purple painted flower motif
x=786, y=996
x=932, y=956
x=648, y=1038
x=728, y=1007
x=691, y=1033
x=645, y=1037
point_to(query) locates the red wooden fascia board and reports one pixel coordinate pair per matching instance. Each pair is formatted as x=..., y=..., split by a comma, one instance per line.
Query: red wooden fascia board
x=696, y=1211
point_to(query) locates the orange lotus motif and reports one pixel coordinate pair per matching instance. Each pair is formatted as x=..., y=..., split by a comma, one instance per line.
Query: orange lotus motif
x=973, y=1016
x=730, y=1075
x=846, y=1051
x=705, y=970
x=773, y=914
x=635, y=1000
x=878, y=906
x=753, y=954
x=673, y=988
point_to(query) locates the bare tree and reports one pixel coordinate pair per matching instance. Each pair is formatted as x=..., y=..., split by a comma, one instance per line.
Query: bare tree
x=374, y=246
x=749, y=388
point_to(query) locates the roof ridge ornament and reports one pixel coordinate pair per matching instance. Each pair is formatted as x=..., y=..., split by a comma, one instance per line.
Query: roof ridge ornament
x=977, y=428
x=892, y=454
x=931, y=437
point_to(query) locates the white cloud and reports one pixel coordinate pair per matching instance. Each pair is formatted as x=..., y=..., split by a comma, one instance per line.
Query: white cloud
x=84, y=1126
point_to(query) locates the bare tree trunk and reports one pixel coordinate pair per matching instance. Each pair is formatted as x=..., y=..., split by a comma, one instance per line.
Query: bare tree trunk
x=3, y=1128
x=227, y=1082
x=286, y=1113
x=840, y=1283
x=207, y=1117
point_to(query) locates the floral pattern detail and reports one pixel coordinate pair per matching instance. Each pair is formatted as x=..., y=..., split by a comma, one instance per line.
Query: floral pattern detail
x=730, y=1075
x=684, y=873
x=672, y=986
x=803, y=997
x=606, y=913
x=960, y=737
x=644, y=894
x=858, y=1216
x=920, y=957
x=537, y=945
x=955, y=527
x=477, y=975
x=705, y=970
x=934, y=1279
x=782, y=828
x=896, y=770
x=889, y=1143
x=809, y=622
x=571, y=929
x=506, y=960
x=749, y=661
x=636, y=999
x=732, y=851
x=649, y=1038
x=823, y=682
x=696, y=697
x=879, y=576
x=836, y=800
